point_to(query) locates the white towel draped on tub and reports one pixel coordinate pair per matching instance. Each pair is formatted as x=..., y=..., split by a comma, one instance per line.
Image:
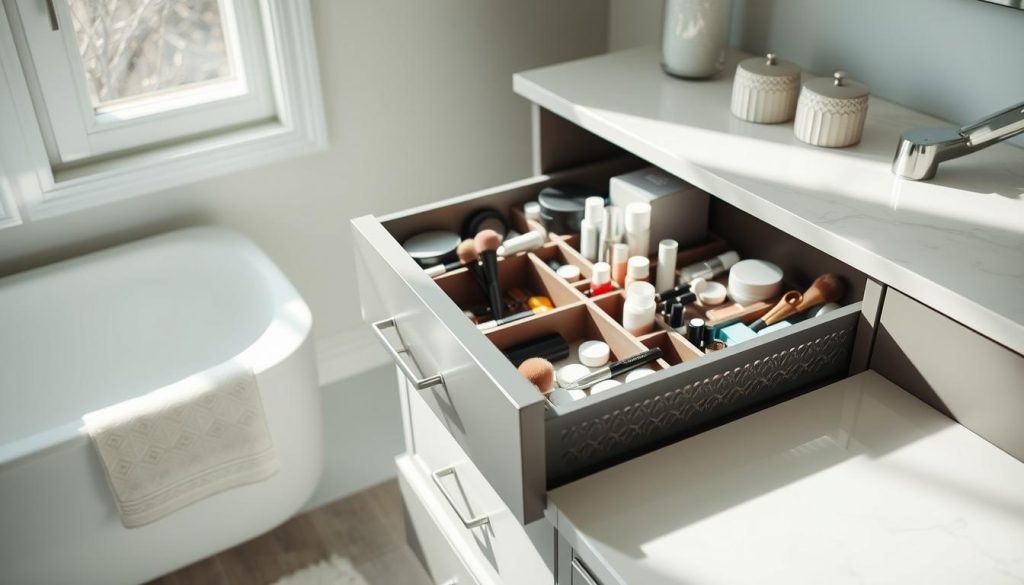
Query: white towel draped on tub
x=184, y=442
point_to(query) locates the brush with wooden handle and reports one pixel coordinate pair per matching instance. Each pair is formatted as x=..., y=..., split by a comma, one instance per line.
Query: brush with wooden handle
x=825, y=289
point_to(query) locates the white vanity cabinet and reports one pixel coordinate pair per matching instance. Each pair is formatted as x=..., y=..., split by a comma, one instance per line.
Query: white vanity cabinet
x=484, y=449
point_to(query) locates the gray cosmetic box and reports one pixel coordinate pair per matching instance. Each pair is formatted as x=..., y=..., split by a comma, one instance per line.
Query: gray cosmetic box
x=679, y=211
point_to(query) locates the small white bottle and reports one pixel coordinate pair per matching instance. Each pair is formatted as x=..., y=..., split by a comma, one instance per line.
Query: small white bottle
x=619, y=257
x=638, y=228
x=639, y=309
x=666, y=274
x=590, y=227
x=638, y=269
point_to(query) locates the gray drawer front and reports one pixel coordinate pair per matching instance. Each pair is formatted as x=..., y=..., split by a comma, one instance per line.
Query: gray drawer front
x=954, y=369
x=498, y=425
x=678, y=402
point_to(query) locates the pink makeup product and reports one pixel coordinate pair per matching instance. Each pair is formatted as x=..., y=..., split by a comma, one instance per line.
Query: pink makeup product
x=620, y=255
x=487, y=243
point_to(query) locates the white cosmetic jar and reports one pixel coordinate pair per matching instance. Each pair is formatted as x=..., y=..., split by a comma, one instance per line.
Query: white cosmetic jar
x=754, y=280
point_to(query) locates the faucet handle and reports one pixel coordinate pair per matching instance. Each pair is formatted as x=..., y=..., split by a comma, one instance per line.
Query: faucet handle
x=996, y=127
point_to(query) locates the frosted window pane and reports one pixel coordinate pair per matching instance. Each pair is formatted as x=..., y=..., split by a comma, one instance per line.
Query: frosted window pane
x=131, y=48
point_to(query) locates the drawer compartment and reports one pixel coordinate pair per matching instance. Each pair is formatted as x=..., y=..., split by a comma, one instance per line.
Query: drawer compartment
x=522, y=443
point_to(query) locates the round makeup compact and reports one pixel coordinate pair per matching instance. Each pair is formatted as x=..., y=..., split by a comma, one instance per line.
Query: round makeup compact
x=831, y=111
x=562, y=207
x=432, y=248
x=484, y=219
x=563, y=396
x=568, y=272
x=709, y=292
x=570, y=373
x=603, y=386
x=594, y=353
x=765, y=90
x=638, y=373
x=754, y=280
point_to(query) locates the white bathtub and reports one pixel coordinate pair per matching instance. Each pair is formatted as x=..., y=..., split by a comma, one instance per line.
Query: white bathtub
x=92, y=331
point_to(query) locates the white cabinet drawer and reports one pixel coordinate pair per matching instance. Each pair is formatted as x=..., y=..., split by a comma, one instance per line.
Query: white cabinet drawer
x=425, y=534
x=521, y=445
x=484, y=525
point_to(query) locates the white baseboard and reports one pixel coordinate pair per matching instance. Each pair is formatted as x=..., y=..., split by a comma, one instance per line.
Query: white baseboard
x=347, y=354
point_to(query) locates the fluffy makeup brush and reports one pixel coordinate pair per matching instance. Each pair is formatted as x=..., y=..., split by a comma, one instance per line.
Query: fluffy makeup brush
x=487, y=243
x=466, y=251
x=471, y=260
x=825, y=289
x=539, y=372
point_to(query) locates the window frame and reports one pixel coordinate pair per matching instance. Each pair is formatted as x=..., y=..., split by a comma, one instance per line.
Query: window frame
x=42, y=189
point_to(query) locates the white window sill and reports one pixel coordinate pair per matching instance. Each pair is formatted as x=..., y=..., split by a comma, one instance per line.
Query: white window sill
x=171, y=166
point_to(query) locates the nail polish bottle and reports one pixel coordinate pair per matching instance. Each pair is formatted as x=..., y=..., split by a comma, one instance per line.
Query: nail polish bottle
x=600, y=279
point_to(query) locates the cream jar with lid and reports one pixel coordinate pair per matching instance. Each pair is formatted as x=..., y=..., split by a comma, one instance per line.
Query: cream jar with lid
x=765, y=90
x=831, y=111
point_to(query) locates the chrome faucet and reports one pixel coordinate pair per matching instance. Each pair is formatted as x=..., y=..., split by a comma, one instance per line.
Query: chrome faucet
x=922, y=149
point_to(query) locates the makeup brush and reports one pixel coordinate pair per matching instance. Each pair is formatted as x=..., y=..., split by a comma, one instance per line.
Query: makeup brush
x=826, y=288
x=539, y=372
x=620, y=367
x=784, y=308
x=487, y=243
x=466, y=251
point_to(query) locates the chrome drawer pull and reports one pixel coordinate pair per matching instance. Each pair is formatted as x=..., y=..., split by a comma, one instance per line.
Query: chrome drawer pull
x=471, y=522
x=579, y=570
x=396, y=354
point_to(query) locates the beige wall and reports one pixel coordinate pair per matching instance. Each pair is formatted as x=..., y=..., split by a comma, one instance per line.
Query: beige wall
x=419, y=106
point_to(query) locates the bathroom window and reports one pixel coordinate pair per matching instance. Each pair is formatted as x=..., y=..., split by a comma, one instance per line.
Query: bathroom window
x=127, y=96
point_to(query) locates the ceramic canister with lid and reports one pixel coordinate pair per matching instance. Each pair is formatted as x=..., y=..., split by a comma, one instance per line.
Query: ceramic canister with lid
x=765, y=90
x=831, y=111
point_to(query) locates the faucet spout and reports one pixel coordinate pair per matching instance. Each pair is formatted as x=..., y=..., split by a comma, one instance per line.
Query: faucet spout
x=920, y=150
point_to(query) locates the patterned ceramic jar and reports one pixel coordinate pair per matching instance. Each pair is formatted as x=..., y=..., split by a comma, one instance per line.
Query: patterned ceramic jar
x=765, y=90
x=831, y=112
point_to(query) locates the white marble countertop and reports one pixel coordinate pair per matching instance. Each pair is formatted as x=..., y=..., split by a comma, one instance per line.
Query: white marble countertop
x=955, y=243
x=858, y=482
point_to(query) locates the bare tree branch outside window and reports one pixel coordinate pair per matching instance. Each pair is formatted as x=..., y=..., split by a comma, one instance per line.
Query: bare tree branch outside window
x=131, y=48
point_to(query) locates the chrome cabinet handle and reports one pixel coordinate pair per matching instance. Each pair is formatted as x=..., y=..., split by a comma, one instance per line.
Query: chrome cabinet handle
x=469, y=523
x=582, y=572
x=396, y=354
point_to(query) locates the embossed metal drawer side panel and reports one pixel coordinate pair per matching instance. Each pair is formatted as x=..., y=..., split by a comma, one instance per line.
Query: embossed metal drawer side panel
x=487, y=407
x=673, y=405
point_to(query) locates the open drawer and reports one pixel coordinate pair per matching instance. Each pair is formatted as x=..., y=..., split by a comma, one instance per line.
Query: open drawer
x=520, y=442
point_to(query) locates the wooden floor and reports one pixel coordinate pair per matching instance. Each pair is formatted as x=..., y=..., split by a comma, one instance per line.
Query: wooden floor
x=367, y=528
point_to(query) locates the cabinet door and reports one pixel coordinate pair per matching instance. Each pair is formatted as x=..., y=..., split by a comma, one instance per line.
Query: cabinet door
x=968, y=377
